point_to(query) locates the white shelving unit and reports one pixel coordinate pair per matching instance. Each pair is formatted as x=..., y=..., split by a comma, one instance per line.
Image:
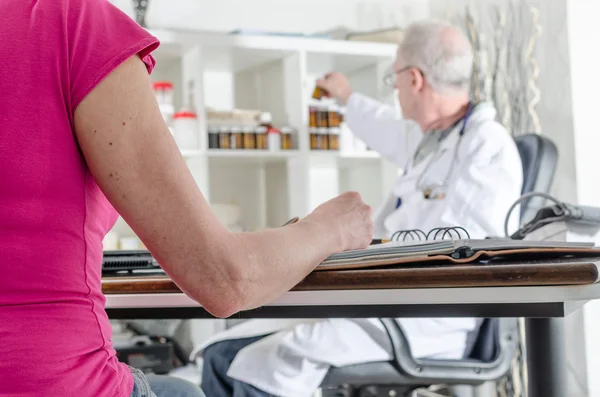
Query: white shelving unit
x=274, y=74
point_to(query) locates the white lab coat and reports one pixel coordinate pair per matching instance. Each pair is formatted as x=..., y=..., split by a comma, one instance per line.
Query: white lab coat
x=485, y=180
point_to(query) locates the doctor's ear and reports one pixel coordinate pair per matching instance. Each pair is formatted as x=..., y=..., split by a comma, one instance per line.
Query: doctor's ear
x=417, y=79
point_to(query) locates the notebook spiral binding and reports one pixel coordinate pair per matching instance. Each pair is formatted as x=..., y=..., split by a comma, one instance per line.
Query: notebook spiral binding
x=439, y=233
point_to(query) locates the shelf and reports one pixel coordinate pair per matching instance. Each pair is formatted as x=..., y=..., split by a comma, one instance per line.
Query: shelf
x=369, y=154
x=233, y=156
x=276, y=74
x=242, y=52
x=347, y=160
x=188, y=154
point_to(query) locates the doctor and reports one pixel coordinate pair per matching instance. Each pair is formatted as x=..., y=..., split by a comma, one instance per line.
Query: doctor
x=460, y=168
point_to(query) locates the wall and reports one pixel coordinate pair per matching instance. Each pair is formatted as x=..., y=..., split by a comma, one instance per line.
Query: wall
x=281, y=15
x=584, y=35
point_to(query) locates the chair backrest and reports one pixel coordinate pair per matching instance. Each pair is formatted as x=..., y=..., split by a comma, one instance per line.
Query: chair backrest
x=539, y=157
x=485, y=347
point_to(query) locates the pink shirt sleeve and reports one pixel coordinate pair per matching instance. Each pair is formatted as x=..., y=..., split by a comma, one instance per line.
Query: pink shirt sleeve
x=100, y=38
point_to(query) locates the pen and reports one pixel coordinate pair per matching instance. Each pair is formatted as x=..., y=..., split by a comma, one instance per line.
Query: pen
x=291, y=221
x=373, y=242
x=380, y=241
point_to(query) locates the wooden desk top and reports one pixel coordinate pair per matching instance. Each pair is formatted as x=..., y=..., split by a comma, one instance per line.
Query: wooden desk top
x=576, y=271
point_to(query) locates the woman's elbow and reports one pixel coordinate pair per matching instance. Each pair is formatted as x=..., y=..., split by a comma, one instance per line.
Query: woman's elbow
x=230, y=293
x=221, y=301
x=222, y=281
x=222, y=305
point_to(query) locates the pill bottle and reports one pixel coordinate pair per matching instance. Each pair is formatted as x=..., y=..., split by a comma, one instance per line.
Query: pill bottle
x=185, y=130
x=319, y=93
x=333, y=116
x=334, y=138
x=224, y=137
x=213, y=137
x=313, y=109
x=315, y=139
x=274, y=139
x=286, y=138
x=323, y=115
x=341, y=115
x=261, y=137
x=249, y=138
x=324, y=138
x=237, y=138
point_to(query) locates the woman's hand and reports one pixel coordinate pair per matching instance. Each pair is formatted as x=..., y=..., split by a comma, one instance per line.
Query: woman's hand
x=350, y=219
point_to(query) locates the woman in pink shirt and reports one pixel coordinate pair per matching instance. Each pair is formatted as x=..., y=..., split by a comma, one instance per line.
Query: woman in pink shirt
x=80, y=136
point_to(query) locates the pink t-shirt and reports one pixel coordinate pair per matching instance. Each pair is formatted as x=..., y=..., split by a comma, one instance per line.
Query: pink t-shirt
x=55, y=337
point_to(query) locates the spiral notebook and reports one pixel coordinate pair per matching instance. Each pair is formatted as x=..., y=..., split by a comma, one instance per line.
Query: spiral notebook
x=417, y=248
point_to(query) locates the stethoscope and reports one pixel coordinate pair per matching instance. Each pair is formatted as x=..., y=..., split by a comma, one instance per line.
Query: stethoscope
x=437, y=191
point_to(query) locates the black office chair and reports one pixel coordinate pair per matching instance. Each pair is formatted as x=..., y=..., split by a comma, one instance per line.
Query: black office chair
x=539, y=157
x=488, y=358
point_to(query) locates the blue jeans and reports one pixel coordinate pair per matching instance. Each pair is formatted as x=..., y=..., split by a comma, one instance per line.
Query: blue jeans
x=161, y=386
x=217, y=359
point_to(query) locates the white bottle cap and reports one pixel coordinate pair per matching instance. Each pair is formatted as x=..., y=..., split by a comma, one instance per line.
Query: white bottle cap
x=265, y=118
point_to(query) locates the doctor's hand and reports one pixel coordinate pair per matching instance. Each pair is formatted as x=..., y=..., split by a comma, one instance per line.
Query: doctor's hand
x=348, y=217
x=337, y=85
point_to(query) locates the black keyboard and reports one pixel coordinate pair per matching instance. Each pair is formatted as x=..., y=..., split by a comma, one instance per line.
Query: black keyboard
x=120, y=261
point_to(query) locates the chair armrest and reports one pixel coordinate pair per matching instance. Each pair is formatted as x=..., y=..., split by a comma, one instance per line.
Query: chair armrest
x=454, y=371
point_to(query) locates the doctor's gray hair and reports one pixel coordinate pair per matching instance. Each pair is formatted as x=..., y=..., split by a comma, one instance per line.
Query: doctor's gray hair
x=442, y=52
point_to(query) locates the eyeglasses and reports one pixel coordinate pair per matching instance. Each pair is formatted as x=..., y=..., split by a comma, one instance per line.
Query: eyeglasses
x=391, y=78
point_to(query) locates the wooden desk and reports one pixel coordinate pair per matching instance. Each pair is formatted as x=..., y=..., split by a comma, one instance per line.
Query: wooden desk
x=537, y=290
x=566, y=272
x=532, y=289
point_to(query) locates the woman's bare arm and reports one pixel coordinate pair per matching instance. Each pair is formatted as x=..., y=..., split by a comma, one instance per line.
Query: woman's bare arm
x=137, y=164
